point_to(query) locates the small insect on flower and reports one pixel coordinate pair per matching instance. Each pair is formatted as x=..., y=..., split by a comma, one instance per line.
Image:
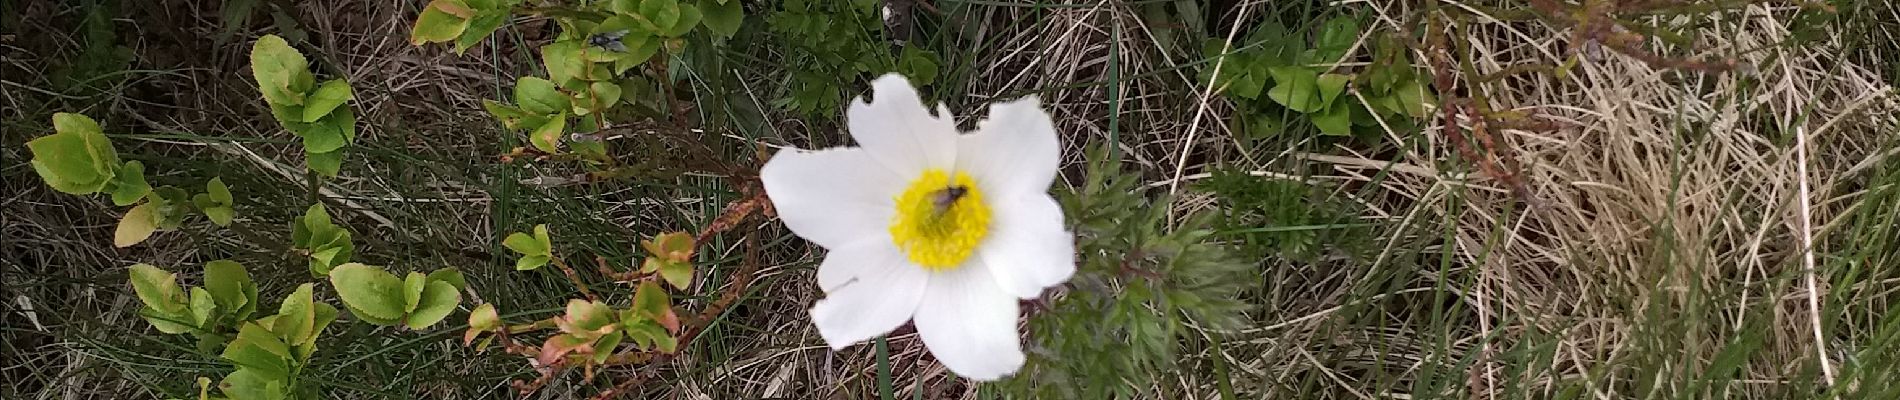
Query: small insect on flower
x=928, y=225
x=609, y=41
x=946, y=198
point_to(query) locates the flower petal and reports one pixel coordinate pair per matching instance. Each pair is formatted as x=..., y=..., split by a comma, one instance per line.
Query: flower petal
x=1013, y=152
x=831, y=197
x=1028, y=249
x=874, y=304
x=970, y=324
x=860, y=258
x=900, y=131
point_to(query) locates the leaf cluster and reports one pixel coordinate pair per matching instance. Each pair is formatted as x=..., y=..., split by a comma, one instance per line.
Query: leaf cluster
x=587, y=63
x=269, y=352
x=78, y=159
x=1280, y=73
x=320, y=114
x=833, y=44
x=378, y=297
x=1139, y=280
x=591, y=330
x=327, y=244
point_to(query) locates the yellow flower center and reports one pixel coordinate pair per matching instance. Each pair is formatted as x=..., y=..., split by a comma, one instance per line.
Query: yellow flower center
x=940, y=220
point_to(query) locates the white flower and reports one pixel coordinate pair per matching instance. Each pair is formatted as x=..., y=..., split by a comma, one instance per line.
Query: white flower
x=924, y=224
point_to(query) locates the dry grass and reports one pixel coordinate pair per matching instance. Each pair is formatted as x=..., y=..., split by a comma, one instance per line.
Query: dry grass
x=1660, y=195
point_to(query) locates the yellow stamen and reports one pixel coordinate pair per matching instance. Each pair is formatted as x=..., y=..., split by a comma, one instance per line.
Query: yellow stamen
x=940, y=220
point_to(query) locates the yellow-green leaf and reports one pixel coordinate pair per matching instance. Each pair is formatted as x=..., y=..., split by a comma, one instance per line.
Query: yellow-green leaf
x=437, y=301
x=369, y=290
x=326, y=164
x=137, y=225
x=547, y=138
x=297, y=317
x=203, y=306
x=128, y=185
x=438, y=23
x=157, y=288
x=327, y=98
x=482, y=319
x=539, y=96
x=485, y=23
x=230, y=285
x=688, y=19
x=257, y=348
x=564, y=62
x=77, y=158
x=587, y=315
x=279, y=70
x=412, y=287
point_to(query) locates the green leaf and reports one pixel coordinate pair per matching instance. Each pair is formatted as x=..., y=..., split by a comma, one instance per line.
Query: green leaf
x=297, y=317
x=250, y=384
x=1335, y=38
x=558, y=346
x=230, y=285
x=326, y=164
x=678, y=274
x=412, y=286
x=539, y=96
x=482, y=319
x=344, y=120
x=220, y=215
x=1296, y=88
x=438, y=300
x=1415, y=98
x=279, y=70
x=524, y=244
x=723, y=17
x=624, y=7
x=369, y=290
x=104, y=158
x=324, y=315
x=547, y=138
x=257, y=349
x=604, y=346
x=129, y=186
x=218, y=191
x=564, y=63
x=1335, y=120
x=137, y=225
x=322, y=137
x=588, y=315
x=371, y=318
x=167, y=323
x=332, y=94
x=1330, y=86
x=650, y=301
x=512, y=117
x=918, y=65
x=663, y=14
x=77, y=158
x=688, y=19
x=531, y=262
x=605, y=95
x=451, y=276
x=315, y=221
x=439, y=22
x=170, y=205
x=484, y=24
x=203, y=307
x=638, y=51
